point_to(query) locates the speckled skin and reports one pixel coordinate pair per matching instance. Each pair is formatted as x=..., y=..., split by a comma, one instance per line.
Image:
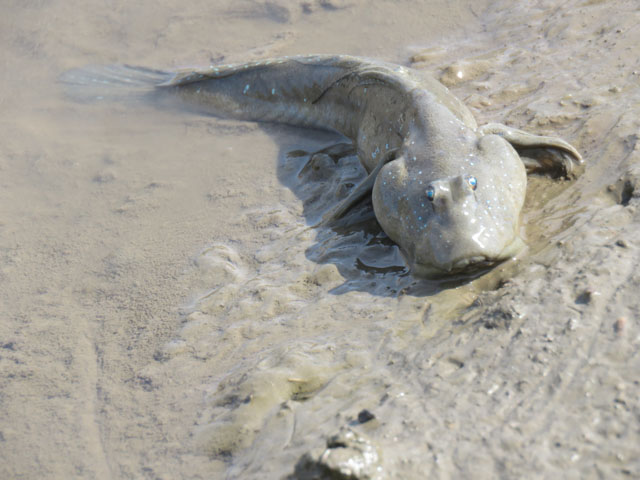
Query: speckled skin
x=411, y=134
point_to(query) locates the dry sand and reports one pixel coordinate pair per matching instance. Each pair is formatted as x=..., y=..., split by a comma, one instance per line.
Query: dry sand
x=166, y=312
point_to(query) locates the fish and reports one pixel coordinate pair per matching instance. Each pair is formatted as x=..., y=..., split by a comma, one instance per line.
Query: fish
x=448, y=192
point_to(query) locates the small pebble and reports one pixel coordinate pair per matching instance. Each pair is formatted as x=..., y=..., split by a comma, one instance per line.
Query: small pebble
x=619, y=324
x=365, y=415
x=586, y=296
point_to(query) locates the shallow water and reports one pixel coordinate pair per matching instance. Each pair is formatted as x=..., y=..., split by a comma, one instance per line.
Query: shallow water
x=168, y=312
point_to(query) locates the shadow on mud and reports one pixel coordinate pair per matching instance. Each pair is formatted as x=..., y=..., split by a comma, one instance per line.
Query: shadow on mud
x=321, y=173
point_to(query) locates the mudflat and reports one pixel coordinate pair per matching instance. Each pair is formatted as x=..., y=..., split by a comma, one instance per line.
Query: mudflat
x=168, y=313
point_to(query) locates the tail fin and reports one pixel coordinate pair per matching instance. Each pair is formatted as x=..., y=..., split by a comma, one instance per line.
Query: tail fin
x=111, y=82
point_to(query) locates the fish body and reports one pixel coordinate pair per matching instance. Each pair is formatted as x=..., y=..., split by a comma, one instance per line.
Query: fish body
x=446, y=191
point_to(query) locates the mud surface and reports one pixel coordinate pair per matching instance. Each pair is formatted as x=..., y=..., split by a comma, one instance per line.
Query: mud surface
x=168, y=313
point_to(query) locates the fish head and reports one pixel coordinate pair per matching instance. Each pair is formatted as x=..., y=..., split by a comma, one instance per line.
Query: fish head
x=456, y=222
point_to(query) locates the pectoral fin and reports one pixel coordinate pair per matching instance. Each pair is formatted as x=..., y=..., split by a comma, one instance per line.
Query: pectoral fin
x=540, y=153
x=359, y=191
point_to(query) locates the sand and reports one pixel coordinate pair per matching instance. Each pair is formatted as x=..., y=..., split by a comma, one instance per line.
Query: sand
x=167, y=313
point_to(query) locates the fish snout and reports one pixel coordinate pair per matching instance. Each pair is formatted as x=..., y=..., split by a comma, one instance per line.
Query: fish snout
x=463, y=235
x=442, y=193
x=456, y=250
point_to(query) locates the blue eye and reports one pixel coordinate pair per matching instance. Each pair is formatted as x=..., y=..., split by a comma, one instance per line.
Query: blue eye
x=431, y=194
x=473, y=182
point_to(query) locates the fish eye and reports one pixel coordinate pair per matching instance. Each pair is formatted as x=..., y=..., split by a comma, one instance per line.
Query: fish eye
x=431, y=193
x=473, y=182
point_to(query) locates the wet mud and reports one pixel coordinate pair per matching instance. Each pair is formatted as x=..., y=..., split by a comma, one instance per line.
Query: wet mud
x=169, y=312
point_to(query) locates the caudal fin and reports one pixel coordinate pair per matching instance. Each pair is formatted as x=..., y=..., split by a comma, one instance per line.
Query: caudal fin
x=111, y=82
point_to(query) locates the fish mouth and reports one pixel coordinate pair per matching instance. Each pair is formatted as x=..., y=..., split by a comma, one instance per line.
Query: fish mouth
x=472, y=264
x=478, y=262
x=482, y=262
